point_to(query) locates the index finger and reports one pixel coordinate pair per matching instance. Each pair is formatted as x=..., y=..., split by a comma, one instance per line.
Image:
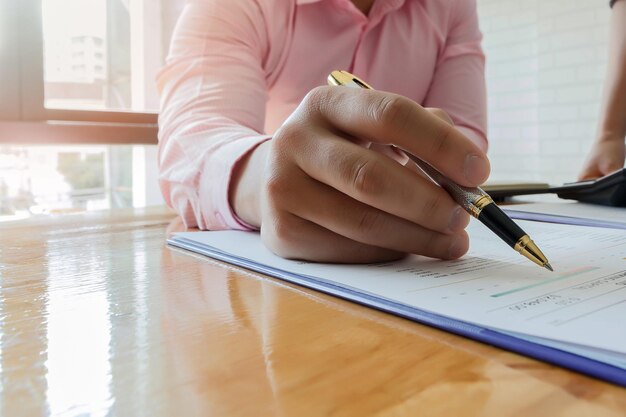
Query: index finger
x=388, y=118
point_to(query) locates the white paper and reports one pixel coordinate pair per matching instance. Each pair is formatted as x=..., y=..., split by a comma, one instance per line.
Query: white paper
x=582, y=303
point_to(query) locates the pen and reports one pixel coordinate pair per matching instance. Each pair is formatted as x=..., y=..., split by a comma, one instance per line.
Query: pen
x=474, y=200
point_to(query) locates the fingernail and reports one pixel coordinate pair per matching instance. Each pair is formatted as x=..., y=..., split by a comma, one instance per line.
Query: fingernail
x=457, y=248
x=459, y=220
x=476, y=169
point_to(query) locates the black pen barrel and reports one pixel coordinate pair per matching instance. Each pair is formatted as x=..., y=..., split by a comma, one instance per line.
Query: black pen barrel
x=498, y=222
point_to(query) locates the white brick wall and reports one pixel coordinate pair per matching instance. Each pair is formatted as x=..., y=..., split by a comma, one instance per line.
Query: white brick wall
x=546, y=62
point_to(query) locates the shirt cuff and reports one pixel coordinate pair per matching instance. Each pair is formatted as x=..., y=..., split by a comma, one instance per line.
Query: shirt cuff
x=215, y=183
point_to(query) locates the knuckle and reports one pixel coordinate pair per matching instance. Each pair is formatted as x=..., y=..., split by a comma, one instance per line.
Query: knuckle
x=276, y=187
x=279, y=236
x=284, y=137
x=432, y=206
x=328, y=153
x=442, y=114
x=282, y=230
x=365, y=178
x=441, y=140
x=430, y=245
x=369, y=222
x=393, y=111
x=315, y=98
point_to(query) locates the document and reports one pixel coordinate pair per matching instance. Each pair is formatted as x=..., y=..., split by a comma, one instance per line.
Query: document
x=579, y=308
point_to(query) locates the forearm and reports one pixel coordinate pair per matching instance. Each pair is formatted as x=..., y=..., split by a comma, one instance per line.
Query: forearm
x=213, y=97
x=613, y=118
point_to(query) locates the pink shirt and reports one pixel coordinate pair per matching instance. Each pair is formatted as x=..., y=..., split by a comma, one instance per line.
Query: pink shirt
x=237, y=68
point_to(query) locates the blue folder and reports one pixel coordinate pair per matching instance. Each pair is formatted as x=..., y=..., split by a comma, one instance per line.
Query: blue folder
x=576, y=362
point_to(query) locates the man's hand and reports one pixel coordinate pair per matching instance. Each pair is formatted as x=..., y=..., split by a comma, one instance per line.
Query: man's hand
x=322, y=197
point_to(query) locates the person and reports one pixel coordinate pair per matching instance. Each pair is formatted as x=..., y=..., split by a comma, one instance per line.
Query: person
x=609, y=150
x=249, y=138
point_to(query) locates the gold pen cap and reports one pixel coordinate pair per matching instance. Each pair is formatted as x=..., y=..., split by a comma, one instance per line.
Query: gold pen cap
x=346, y=79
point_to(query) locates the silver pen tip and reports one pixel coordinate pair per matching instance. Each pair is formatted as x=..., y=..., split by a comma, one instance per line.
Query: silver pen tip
x=548, y=267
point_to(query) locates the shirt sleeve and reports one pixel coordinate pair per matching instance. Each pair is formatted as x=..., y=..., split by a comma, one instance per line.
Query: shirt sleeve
x=458, y=85
x=213, y=97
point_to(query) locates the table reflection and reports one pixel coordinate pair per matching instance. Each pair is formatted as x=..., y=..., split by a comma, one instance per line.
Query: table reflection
x=105, y=319
x=23, y=329
x=243, y=349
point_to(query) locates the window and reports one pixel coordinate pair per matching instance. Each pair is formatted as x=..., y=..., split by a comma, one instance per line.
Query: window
x=104, y=60
x=78, y=115
x=52, y=179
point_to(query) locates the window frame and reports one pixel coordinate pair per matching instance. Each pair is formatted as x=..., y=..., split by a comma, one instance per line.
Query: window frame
x=23, y=117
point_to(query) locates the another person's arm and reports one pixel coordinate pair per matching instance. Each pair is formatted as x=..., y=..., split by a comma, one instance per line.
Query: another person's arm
x=609, y=150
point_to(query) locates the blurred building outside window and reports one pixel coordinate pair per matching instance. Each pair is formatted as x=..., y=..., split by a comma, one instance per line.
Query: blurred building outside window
x=98, y=55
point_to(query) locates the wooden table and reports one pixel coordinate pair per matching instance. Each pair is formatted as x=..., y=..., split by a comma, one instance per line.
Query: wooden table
x=99, y=317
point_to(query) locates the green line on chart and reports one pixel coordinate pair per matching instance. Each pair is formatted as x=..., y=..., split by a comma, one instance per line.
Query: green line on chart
x=548, y=281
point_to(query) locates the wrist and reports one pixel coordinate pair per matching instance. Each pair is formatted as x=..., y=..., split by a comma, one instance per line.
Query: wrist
x=610, y=136
x=245, y=187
